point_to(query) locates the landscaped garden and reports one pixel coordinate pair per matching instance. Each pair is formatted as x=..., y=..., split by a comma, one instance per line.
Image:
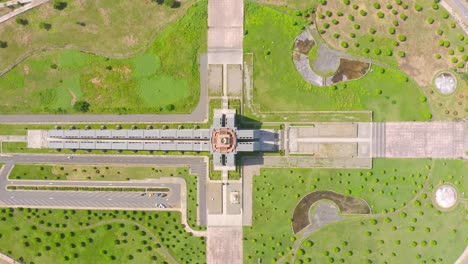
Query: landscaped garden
x=270, y=34
x=85, y=236
x=399, y=193
x=164, y=78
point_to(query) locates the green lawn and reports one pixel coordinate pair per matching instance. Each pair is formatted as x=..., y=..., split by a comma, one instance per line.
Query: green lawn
x=97, y=172
x=114, y=29
x=417, y=233
x=165, y=74
x=85, y=236
x=279, y=87
x=388, y=187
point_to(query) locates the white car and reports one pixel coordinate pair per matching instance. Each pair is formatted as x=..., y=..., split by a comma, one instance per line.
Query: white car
x=69, y=157
x=160, y=205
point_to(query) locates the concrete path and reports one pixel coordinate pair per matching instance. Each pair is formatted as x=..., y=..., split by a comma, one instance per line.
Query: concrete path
x=22, y=9
x=199, y=114
x=13, y=138
x=14, y=2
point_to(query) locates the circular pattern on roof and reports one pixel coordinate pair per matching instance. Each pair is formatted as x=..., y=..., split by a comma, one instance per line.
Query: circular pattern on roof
x=445, y=82
x=445, y=196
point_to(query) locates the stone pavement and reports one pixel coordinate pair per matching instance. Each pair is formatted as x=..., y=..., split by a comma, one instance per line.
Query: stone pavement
x=224, y=245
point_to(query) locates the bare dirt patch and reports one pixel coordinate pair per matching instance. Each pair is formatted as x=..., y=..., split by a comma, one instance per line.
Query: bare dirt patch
x=347, y=205
x=74, y=97
x=105, y=16
x=130, y=40
x=26, y=69
x=95, y=80
x=350, y=70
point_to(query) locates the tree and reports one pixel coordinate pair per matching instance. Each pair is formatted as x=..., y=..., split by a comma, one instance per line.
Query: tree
x=81, y=106
x=3, y=44
x=59, y=5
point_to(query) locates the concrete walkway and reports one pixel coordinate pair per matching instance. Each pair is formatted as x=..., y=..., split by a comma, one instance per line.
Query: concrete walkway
x=14, y=2
x=22, y=9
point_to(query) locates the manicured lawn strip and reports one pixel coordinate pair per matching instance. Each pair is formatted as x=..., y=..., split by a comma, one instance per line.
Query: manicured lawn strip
x=85, y=236
x=102, y=29
x=91, y=189
x=165, y=78
x=88, y=172
x=417, y=233
x=389, y=93
x=390, y=185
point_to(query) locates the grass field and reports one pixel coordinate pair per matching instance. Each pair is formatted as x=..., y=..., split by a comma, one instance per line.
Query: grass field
x=111, y=173
x=417, y=233
x=78, y=236
x=369, y=28
x=279, y=87
x=388, y=187
x=165, y=75
x=110, y=28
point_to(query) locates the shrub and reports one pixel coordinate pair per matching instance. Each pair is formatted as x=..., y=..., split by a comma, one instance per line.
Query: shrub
x=59, y=5
x=44, y=25
x=336, y=35
x=3, y=44
x=81, y=106
x=452, y=25
x=363, y=13
x=401, y=37
x=451, y=52
x=377, y=51
x=440, y=32
x=170, y=107
x=389, y=6
x=380, y=15
x=335, y=22
x=352, y=35
x=395, y=23
x=372, y=30
x=376, y=5
x=405, y=6
x=446, y=43
x=355, y=7
x=394, y=12
x=301, y=252
x=169, y=3
x=454, y=60
x=401, y=54
x=461, y=48
x=391, y=30
x=339, y=13
x=435, y=6
x=461, y=37
x=321, y=16
x=326, y=25
x=328, y=13
x=403, y=16
x=418, y=8
x=445, y=15
x=365, y=50
x=465, y=57
x=346, y=2
x=357, y=26
x=460, y=65
x=398, y=2
x=22, y=21
x=351, y=18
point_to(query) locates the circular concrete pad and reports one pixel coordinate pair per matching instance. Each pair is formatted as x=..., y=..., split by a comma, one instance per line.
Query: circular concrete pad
x=445, y=196
x=446, y=82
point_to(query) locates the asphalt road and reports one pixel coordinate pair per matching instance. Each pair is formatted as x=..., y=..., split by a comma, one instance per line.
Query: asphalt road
x=94, y=199
x=199, y=114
